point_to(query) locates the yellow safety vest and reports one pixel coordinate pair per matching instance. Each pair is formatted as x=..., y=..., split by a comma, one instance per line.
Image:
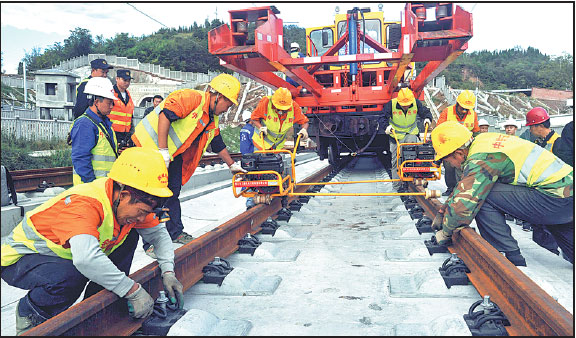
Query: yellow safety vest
x=404, y=123
x=534, y=166
x=103, y=155
x=276, y=136
x=468, y=122
x=550, y=143
x=25, y=239
x=146, y=131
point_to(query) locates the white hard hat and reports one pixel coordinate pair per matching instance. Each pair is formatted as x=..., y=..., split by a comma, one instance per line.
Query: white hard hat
x=100, y=86
x=511, y=122
x=294, y=45
x=483, y=122
x=246, y=115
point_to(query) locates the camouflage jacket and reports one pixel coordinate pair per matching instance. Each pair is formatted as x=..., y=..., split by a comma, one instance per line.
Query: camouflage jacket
x=480, y=172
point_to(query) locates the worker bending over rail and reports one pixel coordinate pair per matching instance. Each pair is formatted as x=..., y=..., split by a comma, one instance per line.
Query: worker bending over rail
x=89, y=233
x=273, y=117
x=500, y=177
x=182, y=127
x=400, y=114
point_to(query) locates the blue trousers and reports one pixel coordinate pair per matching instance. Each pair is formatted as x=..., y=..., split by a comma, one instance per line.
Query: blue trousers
x=55, y=283
x=555, y=214
x=174, y=225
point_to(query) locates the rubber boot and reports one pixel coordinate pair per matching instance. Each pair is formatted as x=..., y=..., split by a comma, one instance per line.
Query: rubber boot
x=516, y=258
x=27, y=316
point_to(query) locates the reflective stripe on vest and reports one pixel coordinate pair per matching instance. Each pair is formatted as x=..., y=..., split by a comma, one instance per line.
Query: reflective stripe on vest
x=468, y=122
x=276, y=136
x=404, y=123
x=121, y=114
x=534, y=166
x=25, y=239
x=147, y=130
x=103, y=156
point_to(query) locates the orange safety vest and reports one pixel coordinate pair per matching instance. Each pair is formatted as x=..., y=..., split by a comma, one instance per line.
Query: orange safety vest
x=468, y=122
x=121, y=114
x=183, y=136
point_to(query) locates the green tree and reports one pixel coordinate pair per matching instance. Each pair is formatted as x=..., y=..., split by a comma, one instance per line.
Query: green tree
x=79, y=43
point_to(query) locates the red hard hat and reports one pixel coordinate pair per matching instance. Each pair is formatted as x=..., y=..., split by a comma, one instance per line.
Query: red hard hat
x=536, y=116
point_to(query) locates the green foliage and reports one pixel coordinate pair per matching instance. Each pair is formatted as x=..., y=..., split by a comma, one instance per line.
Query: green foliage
x=294, y=33
x=231, y=137
x=15, y=154
x=514, y=68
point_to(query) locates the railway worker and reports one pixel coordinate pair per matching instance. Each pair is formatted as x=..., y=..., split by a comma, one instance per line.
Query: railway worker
x=123, y=110
x=94, y=144
x=294, y=53
x=564, y=145
x=89, y=233
x=155, y=102
x=462, y=112
x=483, y=125
x=538, y=120
x=273, y=117
x=183, y=127
x=100, y=68
x=400, y=114
x=510, y=126
x=500, y=177
x=246, y=145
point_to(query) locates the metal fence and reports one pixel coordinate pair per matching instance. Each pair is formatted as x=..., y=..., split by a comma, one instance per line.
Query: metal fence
x=35, y=129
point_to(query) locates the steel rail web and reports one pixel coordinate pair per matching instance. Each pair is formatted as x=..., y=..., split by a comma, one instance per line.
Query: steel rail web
x=106, y=314
x=530, y=310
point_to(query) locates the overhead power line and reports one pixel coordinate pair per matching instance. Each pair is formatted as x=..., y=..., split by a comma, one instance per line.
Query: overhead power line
x=129, y=4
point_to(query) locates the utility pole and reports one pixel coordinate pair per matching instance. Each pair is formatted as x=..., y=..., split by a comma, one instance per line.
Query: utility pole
x=25, y=89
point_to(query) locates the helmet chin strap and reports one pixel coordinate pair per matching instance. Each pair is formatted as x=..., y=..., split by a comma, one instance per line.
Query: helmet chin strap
x=117, y=200
x=211, y=110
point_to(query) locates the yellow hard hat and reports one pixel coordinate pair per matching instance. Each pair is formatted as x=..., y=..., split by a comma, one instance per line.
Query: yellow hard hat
x=227, y=85
x=142, y=169
x=282, y=98
x=405, y=97
x=466, y=99
x=449, y=136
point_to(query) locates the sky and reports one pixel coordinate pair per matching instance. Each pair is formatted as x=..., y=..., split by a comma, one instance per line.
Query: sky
x=546, y=26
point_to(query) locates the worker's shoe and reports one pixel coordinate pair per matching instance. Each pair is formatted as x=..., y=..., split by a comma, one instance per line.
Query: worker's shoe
x=27, y=316
x=526, y=226
x=516, y=258
x=184, y=238
x=150, y=251
x=448, y=192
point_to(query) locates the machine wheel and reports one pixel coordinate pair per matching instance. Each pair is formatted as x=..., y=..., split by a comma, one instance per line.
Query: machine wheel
x=333, y=153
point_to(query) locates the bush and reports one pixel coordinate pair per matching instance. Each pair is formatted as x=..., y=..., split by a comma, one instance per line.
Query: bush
x=16, y=153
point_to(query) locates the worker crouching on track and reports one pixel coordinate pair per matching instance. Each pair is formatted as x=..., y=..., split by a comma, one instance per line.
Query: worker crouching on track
x=181, y=127
x=400, y=114
x=500, y=176
x=87, y=234
x=273, y=117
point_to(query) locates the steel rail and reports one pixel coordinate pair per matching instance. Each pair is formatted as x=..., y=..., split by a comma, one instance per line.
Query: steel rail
x=29, y=179
x=530, y=310
x=106, y=314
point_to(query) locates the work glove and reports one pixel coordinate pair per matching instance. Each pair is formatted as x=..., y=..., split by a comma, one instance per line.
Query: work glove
x=174, y=288
x=442, y=238
x=388, y=130
x=140, y=304
x=437, y=222
x=264, y=130
x=236, y=168
x=427, y=121
x=165, y=155
x=304, y=133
